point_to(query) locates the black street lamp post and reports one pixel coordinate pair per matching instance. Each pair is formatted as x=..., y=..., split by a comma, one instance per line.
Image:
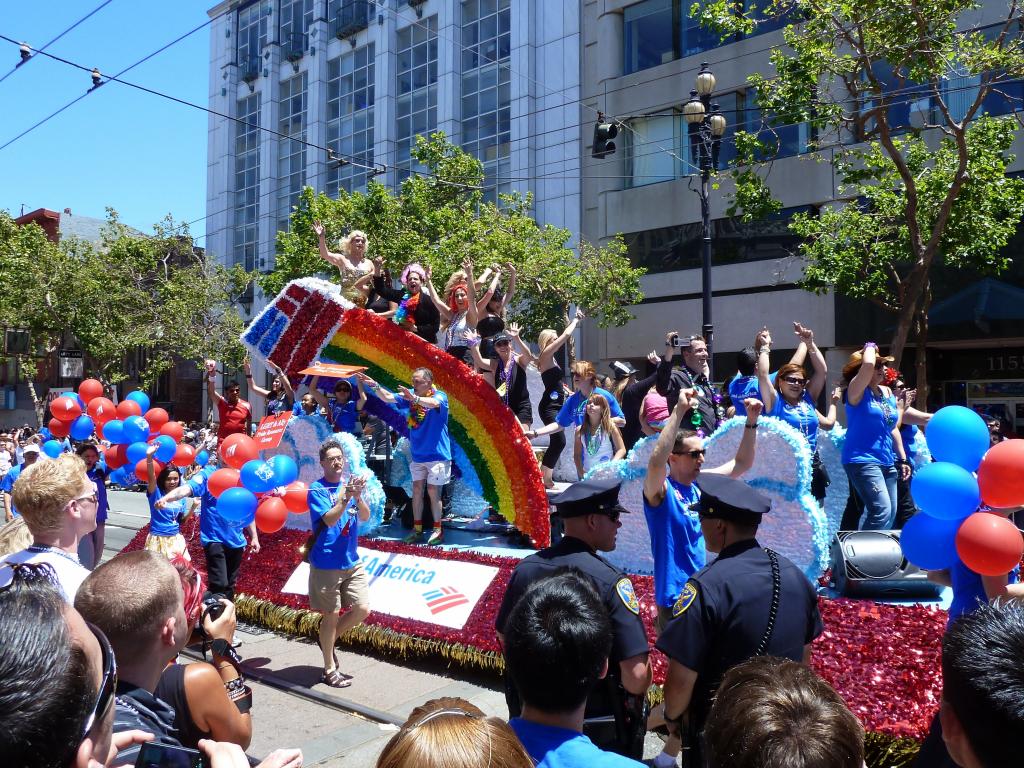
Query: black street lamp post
x=706, y=126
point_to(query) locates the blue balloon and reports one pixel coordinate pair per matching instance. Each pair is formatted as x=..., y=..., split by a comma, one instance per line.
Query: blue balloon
x=81, y=428
x=203, y=458
x=257, y=476
x=135, y=453
x=136, y=429
x=113, y=431
x=124, y=476
x=285, y=469
x=45, y=432
x=946, y=491
x=167, y=448
x=139, y=397
x=930, y=543
x=237, y=505
x=958, y=435
x=51, y=448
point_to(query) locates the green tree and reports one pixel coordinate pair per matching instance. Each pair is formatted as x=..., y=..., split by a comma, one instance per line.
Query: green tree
x=896, y=94
x=131, y=291
x=440, y=218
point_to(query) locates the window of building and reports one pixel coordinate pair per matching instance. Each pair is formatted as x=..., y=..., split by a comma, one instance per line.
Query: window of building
x=350, y=96
x=781, y=139
x=251, y=38
x=733, y=241
x=296, y=16
x=486, y=89
x=645, y=145
x=660, y=31
x=291, y=161
x=348, y=16
x=247, y=181
x=416, y=105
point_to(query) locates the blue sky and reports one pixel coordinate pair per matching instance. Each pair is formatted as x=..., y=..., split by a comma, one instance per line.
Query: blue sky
x=139, y=154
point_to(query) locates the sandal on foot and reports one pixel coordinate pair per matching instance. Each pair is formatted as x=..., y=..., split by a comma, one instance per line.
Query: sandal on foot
x=335, y=679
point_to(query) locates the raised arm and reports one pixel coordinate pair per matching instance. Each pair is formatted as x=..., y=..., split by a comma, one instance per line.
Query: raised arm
x=524, y=356
x=829, y=419
x=431, y=291
x=483, y=301
x=763, y=344
x=818, y=365
x=657, y=464
x=151, y=470
x=211, y=391
x=511, y=288
x=384, y=394
x=472, y=316
x=548, y=353
x=256, y=390
x=474, y=349
x=744, y=458
x=317, y=393
x=333, y=259
x=860, y=382
x=414, y=399
x=361, y=402
x=289, y=393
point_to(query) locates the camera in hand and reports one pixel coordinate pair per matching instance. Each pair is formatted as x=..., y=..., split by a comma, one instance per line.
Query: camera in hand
x=681, y=341
x=212, y=607
x=154, y=755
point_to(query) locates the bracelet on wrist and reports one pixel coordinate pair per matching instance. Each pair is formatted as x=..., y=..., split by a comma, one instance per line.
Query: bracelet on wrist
x=750, y=426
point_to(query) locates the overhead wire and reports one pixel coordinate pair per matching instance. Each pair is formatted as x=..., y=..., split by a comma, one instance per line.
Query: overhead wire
x=46, y=45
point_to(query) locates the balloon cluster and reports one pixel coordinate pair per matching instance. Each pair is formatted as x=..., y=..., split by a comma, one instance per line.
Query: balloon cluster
x=966, y=474
x=248, y=487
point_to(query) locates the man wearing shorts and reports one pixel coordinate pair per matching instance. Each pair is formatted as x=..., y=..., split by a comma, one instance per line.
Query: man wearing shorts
x=336, y=578
x=427, y=416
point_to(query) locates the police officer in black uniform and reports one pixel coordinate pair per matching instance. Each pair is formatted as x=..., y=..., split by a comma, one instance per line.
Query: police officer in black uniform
x=616, y=712
x=749, y=602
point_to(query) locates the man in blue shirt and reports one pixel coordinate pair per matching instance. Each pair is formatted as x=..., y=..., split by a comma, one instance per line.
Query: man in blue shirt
x=431, y=465
x=223, y=541
x=336, y=577
x=30, y=455
x=557, y=641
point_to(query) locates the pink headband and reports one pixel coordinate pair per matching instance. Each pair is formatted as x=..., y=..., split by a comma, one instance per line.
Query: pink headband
x=414, y=267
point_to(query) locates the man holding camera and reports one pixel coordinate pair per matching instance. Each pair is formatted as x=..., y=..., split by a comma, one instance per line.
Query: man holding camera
x=704, y=413
x=336, y=577
x=136, y=600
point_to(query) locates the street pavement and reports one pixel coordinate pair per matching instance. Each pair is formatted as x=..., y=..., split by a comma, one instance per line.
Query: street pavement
x=333, y=727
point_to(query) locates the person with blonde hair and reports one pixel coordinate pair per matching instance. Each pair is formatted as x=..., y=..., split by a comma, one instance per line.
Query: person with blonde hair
x=597, y=438
x=59, y=503
x=453, y=733
x=548, y=343
x=355, y=270
x=460, y=310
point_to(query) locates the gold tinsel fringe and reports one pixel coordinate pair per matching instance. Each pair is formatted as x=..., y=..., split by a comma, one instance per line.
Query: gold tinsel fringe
x=880, y=750
x=388, y=642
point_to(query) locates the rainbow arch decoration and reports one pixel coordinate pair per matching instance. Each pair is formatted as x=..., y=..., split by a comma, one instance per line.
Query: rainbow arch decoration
x=310, y=320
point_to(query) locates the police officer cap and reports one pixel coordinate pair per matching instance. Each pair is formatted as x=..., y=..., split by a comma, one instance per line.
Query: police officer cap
x=589, y=497
x=727, y=499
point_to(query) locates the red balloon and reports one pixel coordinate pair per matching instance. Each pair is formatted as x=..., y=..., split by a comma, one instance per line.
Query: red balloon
x=127, y=408
x=65, y=408
x=989, y=544
x=1001, y=475
x=156, y=417
x=221, y=480
x=142, y=473
x=184, y=455
x=59, y=428
x=271, y=515
x=114, y=456
x=173, y=429
x=89, y=390
x=295, y=497
x=237, y=449
x=101, y=409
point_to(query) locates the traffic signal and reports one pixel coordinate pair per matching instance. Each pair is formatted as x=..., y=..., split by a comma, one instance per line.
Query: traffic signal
x=603, y=135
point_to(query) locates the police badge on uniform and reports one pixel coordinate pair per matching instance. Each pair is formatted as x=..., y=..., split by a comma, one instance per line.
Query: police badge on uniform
x=685, y=599
x=624, y=589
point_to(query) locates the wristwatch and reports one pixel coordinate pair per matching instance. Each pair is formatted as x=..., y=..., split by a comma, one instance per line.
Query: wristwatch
x=221, y=647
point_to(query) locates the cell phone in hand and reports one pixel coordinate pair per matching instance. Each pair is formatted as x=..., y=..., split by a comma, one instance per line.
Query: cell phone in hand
x=153, y=755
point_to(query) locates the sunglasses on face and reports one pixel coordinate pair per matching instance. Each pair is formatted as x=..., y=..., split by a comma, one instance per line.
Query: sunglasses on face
x=612, y=515
x=108, y=685
x=694, y=454
x=795, y=381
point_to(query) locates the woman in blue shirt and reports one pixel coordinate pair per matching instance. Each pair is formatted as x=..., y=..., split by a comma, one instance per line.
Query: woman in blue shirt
x=792, y=396
x=164, y=531
x=873, y=452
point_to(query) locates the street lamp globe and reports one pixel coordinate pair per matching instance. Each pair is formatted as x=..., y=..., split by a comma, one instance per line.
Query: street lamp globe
x=717, y=122
x=705, y=80
x=693, y=110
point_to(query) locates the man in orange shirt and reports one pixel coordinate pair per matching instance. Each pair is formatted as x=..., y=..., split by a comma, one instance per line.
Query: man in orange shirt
x=234, y=414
